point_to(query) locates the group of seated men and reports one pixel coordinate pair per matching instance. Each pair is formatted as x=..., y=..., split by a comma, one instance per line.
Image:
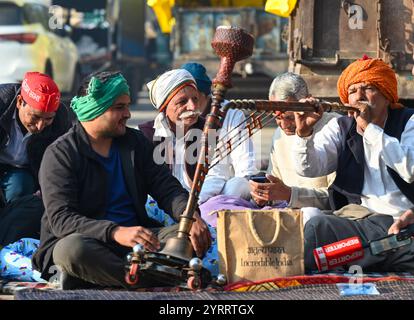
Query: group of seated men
x=352, y=175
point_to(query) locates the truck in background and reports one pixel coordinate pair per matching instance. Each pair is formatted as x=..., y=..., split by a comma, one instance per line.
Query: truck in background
x=194, y=29
x=325, y=36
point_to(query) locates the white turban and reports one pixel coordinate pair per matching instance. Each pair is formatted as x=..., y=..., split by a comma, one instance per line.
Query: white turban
x=166, y=86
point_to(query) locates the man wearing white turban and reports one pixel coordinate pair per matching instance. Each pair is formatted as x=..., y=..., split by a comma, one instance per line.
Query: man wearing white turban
x=166, y=86
x=174, y=94
x=174, y=131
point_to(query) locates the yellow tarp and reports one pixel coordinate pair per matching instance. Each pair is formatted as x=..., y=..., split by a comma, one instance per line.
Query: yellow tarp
x=162, y=10
x=281, y=8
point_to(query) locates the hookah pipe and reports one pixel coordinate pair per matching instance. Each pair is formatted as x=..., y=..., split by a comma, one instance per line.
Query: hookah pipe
x=174, y=263
x=263, y=113
x=231, y=44
x=283, y=106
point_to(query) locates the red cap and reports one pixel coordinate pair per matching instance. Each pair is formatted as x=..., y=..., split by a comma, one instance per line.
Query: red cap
x=40, y=92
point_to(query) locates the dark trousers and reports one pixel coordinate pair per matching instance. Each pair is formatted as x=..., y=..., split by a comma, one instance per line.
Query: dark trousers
x=100, y=263
x=322, y=230
x=21, y=218
x=16, y=182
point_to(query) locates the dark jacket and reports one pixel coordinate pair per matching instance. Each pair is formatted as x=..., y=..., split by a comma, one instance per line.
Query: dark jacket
x=148, y=130
x=74, y=186
x=351, y=160
x=37, y=143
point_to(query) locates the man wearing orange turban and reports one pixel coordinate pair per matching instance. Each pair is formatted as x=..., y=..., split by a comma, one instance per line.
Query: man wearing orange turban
x=370, y=71
x=372, y=152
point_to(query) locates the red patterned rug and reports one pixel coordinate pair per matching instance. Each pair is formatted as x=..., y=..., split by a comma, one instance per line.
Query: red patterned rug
x=286, y=282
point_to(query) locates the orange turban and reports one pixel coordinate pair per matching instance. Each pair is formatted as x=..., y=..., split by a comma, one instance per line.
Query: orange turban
x=371, y=71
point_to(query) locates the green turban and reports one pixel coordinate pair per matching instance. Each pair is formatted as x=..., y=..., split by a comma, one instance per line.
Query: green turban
x=100, y=96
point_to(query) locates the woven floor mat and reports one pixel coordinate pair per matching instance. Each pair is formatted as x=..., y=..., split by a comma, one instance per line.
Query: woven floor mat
x=389, y=290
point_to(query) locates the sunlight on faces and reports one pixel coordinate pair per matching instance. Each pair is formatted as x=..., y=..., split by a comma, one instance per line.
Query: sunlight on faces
x=184, y=101
x=35, y=121
x=112, y=123
x=367, y=93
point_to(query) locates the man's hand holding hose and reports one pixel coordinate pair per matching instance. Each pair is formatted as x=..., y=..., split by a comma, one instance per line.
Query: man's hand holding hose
x=305, y=121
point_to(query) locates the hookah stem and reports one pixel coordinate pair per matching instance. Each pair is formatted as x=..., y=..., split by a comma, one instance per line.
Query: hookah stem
x=223, y=140
x=212, y=121
x=236, y=141
x=282, y=106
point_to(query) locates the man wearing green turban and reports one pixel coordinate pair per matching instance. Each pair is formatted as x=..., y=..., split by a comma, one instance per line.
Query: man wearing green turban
x=95, y=181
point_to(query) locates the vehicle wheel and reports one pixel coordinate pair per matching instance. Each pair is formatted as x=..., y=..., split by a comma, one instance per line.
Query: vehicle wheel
x=76, y=82
x=193, y=283
x=133, y=78
x=132, y=276
x=49, y=69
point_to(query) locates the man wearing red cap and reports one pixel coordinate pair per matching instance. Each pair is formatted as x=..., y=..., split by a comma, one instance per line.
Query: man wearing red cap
x=372, y=151
x=30, y=119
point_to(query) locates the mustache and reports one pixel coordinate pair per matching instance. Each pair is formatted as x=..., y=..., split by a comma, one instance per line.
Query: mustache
x=366, y=103
x=187, y=114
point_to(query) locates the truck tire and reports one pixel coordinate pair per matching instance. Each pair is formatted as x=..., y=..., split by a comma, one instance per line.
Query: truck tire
x=133, y=78
x=49, y=69
x=76, y=82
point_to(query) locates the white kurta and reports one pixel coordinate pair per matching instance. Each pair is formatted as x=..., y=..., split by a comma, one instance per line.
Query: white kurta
x=174, y=148
x=227, y=177
x=318, y=155
x=240, y=162
x=305, y=192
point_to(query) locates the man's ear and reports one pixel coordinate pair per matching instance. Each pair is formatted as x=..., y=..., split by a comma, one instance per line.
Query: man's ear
x=19, y=102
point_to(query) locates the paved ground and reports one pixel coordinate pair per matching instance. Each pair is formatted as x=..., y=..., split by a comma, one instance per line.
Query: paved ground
x=143, y=111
